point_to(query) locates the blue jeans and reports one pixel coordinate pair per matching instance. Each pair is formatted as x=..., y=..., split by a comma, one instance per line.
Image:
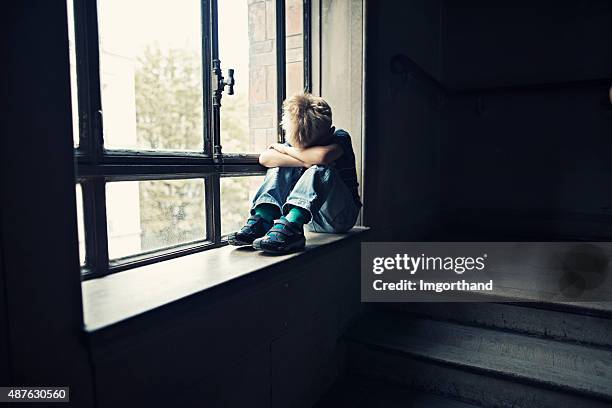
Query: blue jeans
x=318, y=189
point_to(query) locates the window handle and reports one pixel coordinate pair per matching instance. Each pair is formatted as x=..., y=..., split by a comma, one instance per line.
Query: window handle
x=219, y=81
x=230, y=82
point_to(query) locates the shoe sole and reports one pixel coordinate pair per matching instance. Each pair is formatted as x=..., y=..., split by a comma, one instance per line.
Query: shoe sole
x=257, y=245
x=236, y=242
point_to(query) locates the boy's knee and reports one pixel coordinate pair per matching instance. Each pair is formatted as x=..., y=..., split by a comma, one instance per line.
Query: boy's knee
x=320, y=172
x=280, y=170
x=319, y=168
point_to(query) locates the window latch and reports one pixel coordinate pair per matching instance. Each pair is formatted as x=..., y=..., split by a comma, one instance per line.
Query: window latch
x=230, y=81
x=219, y=82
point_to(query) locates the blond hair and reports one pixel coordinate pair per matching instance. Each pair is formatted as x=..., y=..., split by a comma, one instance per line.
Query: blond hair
x=307, y=119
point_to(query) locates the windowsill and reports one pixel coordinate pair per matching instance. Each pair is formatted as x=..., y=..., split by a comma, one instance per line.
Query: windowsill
x=115, y=298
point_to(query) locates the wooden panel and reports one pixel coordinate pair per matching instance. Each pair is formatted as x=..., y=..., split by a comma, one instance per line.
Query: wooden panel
x=184, y=378
x=201, y=346
x=305, y=362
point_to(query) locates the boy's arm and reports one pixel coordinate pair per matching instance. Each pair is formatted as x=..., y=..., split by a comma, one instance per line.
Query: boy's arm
x=273, y=158
x=322, y=155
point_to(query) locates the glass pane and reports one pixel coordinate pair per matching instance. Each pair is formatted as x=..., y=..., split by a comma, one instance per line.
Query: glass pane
x=236, y=196
x=149, y=215
x=73, y=75
x=151, y=74
x=247, y=43
x=294, y=48
x=80, y=223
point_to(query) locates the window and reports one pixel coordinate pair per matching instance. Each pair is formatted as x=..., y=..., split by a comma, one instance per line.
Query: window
x=172, y=102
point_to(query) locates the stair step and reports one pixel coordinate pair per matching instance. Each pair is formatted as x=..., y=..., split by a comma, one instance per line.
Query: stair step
x=545, y=301
x=360, y=392
x=479, y=388
x=520, y=317
x=512, y=358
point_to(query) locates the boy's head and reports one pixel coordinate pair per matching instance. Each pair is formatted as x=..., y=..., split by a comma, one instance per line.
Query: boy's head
x=307, y=120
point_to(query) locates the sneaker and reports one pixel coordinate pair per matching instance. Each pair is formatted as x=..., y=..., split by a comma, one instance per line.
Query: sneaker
x=289, y=237
x=256, y=227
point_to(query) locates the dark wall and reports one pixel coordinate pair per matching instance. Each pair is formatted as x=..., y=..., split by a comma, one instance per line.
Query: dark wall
x=402, y=118
x=517, y=42
x=38, y=216
x=489, y=119
x=4, y=333
x=534, y=164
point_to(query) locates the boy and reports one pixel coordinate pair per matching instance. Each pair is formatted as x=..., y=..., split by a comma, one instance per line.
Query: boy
x=311, y=180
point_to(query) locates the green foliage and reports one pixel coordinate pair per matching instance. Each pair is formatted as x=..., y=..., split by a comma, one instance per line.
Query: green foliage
x=169, y=116
x=169, y=100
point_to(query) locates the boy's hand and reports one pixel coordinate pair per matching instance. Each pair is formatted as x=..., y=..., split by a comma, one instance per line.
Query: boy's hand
x=279, y=147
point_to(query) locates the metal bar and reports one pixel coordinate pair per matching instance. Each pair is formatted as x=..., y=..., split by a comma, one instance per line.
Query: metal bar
x=215, y=233
x=206, y=85
x=138, y=158
x=315, y=47
x=88, y=78
x=147, y=258
x=320, y=46
x=94, y=191
x=307, y=46
x=87, y=191
x=114, y=172
x=216, y=89
x=281, y=80
x=209, y=194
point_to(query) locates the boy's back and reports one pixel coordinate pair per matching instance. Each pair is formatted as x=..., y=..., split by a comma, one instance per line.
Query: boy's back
x=345, y=164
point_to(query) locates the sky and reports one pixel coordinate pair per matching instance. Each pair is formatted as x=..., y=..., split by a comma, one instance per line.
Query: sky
x=127, y=26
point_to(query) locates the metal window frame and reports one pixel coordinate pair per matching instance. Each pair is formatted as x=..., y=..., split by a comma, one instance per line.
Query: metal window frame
x=96, y=166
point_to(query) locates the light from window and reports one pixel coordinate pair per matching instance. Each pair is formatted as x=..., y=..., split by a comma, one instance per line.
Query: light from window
x=80, y=223
x=151, y=74
x=247, y=43
x=149, y=215
x=73, y=75
x=236, y=196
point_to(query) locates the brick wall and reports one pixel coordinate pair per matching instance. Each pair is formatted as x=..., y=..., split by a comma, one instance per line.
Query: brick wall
x=262, y=65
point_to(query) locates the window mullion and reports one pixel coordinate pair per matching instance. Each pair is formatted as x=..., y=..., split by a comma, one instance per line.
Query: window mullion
x=281, y=81
x=214, y=78
x=213, y=208
x=206, y=76
x=96, y=233
x=88, y=78
x=307, y=46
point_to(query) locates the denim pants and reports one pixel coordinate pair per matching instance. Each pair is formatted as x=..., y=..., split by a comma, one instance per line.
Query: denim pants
x=318, y=189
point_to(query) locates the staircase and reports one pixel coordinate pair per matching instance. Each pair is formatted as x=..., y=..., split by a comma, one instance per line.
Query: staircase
x=549, y=355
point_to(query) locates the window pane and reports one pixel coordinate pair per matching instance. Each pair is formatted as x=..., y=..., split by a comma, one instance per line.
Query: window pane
x=247, y=43
x=80, y=223
x=151, y=74
x=236, y=196
x=294, y=48
x=149, y=215
x=73, y=75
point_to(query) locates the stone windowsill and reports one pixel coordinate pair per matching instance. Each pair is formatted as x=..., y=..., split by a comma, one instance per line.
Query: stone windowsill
x=118, y=297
